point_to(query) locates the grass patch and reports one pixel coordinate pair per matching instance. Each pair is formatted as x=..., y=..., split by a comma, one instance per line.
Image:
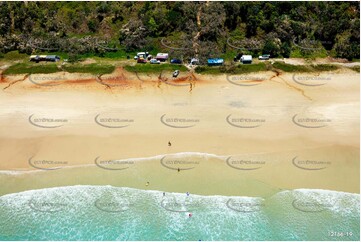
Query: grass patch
x=30, y=68
x=304, y=68
x=355, y=68
x=14, y=55
x=291, y=68
x=46, y=68
x=154, y=68
x=247, y=68
x=325, y=67
x=234, y=69
x=90, y=68
x=208, y=70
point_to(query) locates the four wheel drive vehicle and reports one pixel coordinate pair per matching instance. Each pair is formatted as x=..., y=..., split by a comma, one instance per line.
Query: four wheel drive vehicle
x=264, y=57
x=194, y=61
x=154, y=61
x=141, y=60
x=175, y=73
x=176, y=61
x=141, y=55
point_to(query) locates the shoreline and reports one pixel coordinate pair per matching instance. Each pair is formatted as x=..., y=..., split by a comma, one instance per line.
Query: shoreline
x=213, y=170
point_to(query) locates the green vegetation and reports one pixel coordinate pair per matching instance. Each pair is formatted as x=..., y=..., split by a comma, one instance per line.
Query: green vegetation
x=154, y=68
x=46, y=68
x=212, y=70
x=325, y=67
x=291, y=68
x=355, y=68
x=15, y=55
x=263, y=66
x=31, y=68
x=89, y=68
x=234, y=69
x=304, y=68
x=78, y=30
x=251, y=68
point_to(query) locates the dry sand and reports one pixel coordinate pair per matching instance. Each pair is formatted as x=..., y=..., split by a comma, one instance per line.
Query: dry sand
x=215, y=110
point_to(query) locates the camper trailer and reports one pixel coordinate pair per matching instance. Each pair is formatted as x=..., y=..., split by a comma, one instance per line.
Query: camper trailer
x=162, y=57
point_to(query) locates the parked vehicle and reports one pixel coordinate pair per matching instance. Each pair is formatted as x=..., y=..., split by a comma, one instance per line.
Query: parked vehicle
x=215, y=61
x=175, y=73
x=162, y=57
x=154, y=61
x=264, y=57
x=175, y=61
x=194, y=61
x=246, y=59
x=141, y=60
x=143, y=55
x=38, y=58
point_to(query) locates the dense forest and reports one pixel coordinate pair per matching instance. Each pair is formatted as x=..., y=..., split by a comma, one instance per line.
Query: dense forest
x=204, y=29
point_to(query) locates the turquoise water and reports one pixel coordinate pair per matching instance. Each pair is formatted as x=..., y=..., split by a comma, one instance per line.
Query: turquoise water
x=114, y=213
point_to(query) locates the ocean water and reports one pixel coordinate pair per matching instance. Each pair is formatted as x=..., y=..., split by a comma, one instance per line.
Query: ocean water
x=118, y=213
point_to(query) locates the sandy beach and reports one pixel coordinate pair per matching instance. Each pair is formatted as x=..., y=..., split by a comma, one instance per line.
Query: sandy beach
x=261, y=132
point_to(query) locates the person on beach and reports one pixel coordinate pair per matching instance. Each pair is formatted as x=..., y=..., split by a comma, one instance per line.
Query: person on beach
x=169, y=143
